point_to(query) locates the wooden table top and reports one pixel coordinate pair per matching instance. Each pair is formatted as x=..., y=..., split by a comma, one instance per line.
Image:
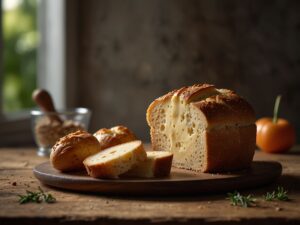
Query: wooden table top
x=73, y=208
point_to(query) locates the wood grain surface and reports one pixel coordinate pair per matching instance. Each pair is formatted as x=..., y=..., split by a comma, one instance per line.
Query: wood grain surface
x=79, y=208
x=180, y=182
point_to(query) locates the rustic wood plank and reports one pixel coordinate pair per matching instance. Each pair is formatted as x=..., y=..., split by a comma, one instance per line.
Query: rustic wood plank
x=77, y=208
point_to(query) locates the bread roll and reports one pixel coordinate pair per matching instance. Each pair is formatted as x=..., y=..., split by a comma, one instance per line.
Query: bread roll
x=207, y=129
x=114, y=136
x=116, y=160
x=157, y=164
x=70, y=151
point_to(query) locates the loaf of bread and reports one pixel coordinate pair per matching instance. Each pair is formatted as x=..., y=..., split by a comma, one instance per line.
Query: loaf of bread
x=207, y=129
x=114, y=136
x=69, y=151
x=116, y=160
x=157, y=164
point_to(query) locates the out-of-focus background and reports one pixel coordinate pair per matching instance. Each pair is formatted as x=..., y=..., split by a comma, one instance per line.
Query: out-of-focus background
x=116, y=56
x=20, y=37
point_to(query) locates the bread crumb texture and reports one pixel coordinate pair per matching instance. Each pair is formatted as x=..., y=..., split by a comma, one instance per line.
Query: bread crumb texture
x=207, y=129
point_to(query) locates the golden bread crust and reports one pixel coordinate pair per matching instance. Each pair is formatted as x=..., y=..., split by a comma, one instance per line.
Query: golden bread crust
x=230, y=149
x=227, y=108
x=70, y=151
x=114, y=136
x=223, y=106
x=163, y=166
x=191, y=93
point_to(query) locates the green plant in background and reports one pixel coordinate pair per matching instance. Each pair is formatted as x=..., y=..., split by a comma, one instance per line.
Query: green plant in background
x=20, y=54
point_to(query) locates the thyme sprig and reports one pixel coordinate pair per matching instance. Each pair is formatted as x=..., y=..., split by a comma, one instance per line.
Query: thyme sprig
x=237, y=199
x=279, y=194
x=37, y=197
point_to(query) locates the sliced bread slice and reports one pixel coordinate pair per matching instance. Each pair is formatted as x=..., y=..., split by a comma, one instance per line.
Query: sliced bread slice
x=157, y=164
x=112, y=162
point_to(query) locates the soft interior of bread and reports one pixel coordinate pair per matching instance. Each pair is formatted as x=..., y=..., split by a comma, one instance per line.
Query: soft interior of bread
x=142, y=169
x=179, y=127
x=114, y=152
x=146, y=168
x=157, y=154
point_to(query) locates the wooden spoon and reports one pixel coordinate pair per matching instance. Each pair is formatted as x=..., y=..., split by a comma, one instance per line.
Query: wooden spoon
x=44, y=100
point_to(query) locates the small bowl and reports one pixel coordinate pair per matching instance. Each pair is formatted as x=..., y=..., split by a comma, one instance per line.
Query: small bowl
x=47, y=130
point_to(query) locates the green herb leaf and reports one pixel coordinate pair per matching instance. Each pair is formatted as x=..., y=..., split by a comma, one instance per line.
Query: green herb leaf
x=49, y=198
x=36, y=197
x=237, y=199
x=279, y=194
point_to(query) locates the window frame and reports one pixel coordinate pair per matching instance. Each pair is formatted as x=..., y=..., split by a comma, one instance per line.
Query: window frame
x=51, y=52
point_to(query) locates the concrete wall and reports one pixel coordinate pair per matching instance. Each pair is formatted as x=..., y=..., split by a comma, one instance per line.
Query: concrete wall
x=132, y=51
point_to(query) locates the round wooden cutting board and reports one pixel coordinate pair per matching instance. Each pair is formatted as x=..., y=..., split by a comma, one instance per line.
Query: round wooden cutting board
x=180, y=181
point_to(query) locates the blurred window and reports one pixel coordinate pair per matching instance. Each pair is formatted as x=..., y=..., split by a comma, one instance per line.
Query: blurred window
x=32, y=54
x=20, y=44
